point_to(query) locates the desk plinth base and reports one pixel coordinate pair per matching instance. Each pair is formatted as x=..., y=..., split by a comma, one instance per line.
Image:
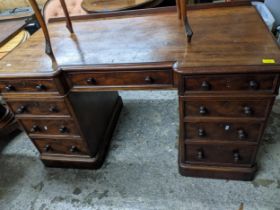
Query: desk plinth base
x=87, y=162
x=216, y=172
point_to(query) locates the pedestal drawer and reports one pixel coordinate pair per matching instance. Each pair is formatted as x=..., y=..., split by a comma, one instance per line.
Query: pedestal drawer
x=235, y=82
x=220, y=154
x=39, y=107
x=223, y=131
x=50, y=127
x=122, y=78
x=28, y=85
x=62, y=146
x=226, y=107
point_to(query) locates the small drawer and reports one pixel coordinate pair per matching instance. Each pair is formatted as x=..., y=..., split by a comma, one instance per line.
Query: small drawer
x=220, y=154
x=39, y=107
x=27, y=85
x=62, y=146
x=223, y=131
x=226, y=107
x=50, y=127
x=259, y=82
x=122, y=78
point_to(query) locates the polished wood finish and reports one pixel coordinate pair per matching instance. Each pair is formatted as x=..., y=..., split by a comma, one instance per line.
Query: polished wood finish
x=44, y=106
x=223, y=131
x=225, y=91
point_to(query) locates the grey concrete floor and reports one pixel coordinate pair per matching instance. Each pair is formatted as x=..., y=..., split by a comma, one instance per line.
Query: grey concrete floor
x=140, y=171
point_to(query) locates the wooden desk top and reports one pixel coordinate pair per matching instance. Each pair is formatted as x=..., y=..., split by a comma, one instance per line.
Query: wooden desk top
x=231, y=37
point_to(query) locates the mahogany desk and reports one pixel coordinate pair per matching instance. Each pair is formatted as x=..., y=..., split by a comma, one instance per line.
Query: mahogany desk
x=225, y=91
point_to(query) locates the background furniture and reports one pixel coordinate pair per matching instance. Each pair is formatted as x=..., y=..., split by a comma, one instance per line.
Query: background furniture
x=117, y=5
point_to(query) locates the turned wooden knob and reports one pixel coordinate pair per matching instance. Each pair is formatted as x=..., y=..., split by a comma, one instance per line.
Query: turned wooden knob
x=47, y=148
x=73, y=149
x=202, y=110
x=41, y=87
x=53, y=109
x=35, y=128
x=63, y=129
x=205, y=85
x=254, y=85
x=241, y=134
x=149, y=80
x=21, y=109
x=236, y=156
x=10, y=88
x=91, y=81
x=200, y=154
x=248, y=110
x=201, y=132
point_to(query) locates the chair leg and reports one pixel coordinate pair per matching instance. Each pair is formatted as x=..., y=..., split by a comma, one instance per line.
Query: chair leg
x=66, y=13
x=42, y=23
x=178, y=5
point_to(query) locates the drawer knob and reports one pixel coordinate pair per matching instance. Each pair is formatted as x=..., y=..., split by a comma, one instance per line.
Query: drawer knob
x=236, y=156
x=47, y=148
x=201, y=132
x=91, y=81
x=248, y=110
x=200, y=154
x=21, y=109
x=227, y=127
x=254, y=85
x=241, y=134
x=10, y=88
x=41, y=87
x=202, y=110
x=73, y=149
x=63, y=129
x=149, y=80
x=205, y=85
x=53, y=109
x=35, y=128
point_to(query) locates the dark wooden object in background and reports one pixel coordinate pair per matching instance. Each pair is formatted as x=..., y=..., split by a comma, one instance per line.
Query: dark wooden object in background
x=70, y=112
x=117, y=5
x=9, y=28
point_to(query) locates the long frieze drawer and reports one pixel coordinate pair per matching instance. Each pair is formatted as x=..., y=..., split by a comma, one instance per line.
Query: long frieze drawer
x=223, y=131
x=258, y=82
x=122, y=78
x=38, y=107
x=62, y=146
x=27, y=85
x=222, y=107
x=220, y=153
x=50, y=127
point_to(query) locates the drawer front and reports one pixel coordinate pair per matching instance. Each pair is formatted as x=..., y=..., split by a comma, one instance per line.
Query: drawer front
x=50, y=127
x=261, y=82
x=223, y=131
x=121, y=78
x=55, y=107
x=63, y=146
x=24, y=85
x=226, y=108
x=220, y=153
